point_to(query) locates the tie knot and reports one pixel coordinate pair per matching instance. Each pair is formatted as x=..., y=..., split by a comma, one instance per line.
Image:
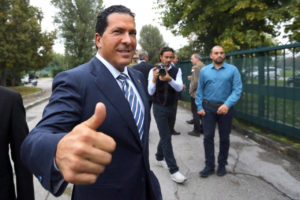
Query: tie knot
x=122, y=77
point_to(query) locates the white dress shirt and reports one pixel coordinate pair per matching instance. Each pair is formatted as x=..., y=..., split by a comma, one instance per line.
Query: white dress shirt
x=116, y=73
x=175, y=84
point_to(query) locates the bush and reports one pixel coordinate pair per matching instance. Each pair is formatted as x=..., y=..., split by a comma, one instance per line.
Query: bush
x=56, y=70
x=44, y=75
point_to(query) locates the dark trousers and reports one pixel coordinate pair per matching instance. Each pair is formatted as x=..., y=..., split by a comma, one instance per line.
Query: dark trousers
x=164, y=117
x=196, y=117
x=209, y=124
x=173, y=121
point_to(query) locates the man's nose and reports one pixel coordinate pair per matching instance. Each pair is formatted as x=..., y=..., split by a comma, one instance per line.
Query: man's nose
x=126, y=38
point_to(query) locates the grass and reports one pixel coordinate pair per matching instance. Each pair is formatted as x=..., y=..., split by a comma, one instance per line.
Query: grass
x=248, y=126
x=24, y=90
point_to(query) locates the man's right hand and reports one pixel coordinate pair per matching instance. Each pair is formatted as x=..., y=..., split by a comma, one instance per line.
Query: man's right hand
x=201, y=112
x=83, y=153
x=155, y=74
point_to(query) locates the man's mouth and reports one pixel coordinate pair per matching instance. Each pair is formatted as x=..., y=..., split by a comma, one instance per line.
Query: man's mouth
x=124, y=51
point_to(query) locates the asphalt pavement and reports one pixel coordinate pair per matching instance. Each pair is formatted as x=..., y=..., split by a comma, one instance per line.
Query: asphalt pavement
x=254, y=170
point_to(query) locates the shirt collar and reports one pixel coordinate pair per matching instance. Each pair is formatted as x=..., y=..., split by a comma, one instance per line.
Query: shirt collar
x=111, y=68
x=171, y=65
x=223, y=66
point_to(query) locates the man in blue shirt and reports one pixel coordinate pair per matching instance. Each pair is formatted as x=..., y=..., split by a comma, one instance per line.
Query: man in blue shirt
x=219, y=88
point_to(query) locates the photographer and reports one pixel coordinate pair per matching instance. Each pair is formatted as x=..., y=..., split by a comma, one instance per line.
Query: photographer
x=165, y=80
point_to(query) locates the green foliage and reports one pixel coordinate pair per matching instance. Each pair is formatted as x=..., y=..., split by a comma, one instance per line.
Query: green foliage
x=57, y=64
x=293, y=28
x=185, y=52
x=23, y=46
x=151, y=41
x=56, y=70
x=77, y=20
x=57, y=61
x=234, y=24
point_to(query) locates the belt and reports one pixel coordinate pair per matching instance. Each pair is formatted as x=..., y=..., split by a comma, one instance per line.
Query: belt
x=212, y=103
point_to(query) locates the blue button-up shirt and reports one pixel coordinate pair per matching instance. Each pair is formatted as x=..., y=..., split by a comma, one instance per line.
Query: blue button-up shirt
x=221, y=85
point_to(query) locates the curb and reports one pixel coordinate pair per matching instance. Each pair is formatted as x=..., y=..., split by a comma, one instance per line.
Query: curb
x=39, y=101
x=33, y=94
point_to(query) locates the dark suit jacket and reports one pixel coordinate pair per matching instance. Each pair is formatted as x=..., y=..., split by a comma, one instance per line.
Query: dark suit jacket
x=75, y=94
x=145, y=69
x=13, y=130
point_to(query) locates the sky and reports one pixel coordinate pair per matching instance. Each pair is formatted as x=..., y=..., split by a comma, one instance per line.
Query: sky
x=143, y=15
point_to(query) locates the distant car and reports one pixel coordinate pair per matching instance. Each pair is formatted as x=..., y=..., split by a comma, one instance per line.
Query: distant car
x=29, y=79
x=294, y=81
x=34, y=82
x=25, y=79
x=272, y=72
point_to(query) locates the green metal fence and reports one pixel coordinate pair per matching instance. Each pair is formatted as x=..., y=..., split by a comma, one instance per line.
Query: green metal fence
x=271, y=87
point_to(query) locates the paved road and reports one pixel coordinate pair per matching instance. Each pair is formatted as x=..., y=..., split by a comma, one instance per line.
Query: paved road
x=255, y=172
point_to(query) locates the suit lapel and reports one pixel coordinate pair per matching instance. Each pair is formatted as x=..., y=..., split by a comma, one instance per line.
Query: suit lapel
x=111, y=90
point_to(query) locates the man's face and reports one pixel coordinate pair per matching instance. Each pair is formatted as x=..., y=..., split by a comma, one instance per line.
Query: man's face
x=193, y=60
x=118, y=42
x=175, y=59
x=217, y=55
x=166, y=58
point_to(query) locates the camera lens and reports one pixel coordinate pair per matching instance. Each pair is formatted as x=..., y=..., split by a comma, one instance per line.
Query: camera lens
x=161, y=70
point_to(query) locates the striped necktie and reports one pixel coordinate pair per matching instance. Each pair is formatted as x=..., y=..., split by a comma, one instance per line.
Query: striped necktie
x=134, y=104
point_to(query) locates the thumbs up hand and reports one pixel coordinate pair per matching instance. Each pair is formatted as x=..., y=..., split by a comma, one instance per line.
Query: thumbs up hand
x=83, y=153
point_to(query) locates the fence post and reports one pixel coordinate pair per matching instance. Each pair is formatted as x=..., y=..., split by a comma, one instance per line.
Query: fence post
x=261, y=84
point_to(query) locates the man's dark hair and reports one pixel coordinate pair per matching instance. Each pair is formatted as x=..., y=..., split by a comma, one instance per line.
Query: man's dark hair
x=102, y=16
x=164, y=49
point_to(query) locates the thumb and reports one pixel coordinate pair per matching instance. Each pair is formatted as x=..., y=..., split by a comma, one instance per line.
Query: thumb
x=98, y=117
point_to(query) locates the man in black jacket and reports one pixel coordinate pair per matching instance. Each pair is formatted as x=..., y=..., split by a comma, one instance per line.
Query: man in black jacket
x=144, y=67
x=13, y=130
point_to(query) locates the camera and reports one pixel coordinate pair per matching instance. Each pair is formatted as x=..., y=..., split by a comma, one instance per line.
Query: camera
x=161, y=70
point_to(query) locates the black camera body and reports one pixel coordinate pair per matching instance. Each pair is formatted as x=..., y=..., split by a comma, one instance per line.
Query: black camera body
x=161, y=70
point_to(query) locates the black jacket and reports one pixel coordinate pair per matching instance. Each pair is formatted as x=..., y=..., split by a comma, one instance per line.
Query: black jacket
x=13, y=130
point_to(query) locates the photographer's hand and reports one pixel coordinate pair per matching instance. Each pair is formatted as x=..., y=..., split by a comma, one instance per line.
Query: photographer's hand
x=155, y=74
x=167, y=77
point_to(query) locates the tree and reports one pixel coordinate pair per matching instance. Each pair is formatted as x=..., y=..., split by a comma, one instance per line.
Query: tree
x=185, y=52
x=57, y=64
x=77, y=20
x=151, y=41
x=23, y=46
x=234, y=24
x=293, y=29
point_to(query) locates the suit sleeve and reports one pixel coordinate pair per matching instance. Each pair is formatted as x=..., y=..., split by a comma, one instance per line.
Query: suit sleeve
x=19, y=131
x=62, y=113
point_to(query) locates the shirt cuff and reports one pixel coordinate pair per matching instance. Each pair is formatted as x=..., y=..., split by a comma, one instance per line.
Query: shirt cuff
x=57, y=181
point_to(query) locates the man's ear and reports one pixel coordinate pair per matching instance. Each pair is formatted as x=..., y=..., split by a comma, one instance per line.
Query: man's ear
x=98, y=40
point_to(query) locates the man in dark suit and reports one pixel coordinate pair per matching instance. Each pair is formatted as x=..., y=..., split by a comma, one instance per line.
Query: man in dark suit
x=102, y=148
x=13, y=130
x=144, y=67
